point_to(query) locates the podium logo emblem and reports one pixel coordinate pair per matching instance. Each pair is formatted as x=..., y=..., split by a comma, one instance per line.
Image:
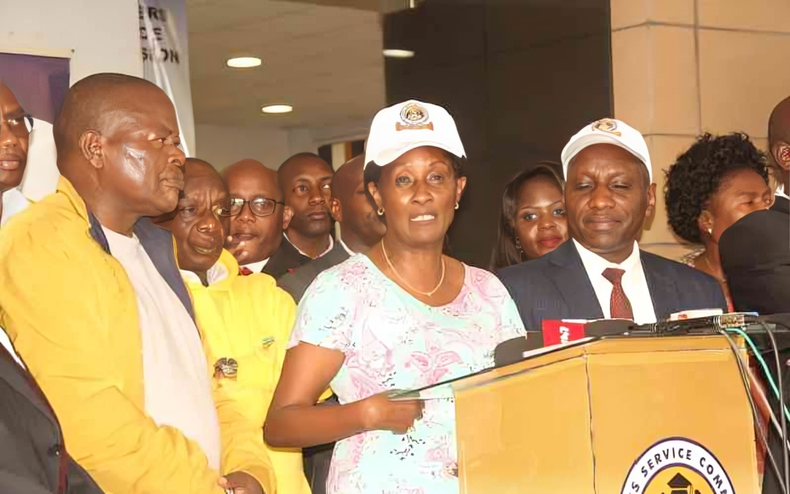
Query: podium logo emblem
x=677, y=466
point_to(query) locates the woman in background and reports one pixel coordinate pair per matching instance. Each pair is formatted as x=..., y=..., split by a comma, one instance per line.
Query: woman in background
x=532, y=221
x=716, y=182
x=403, y=316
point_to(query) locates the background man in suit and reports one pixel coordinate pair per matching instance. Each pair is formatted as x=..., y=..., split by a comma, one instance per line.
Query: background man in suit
x=33, y=458
x=15, y=126
x=256, y=230
x=305, y=179
x=601, y=273
x=755, y=257
x=360, y=228
x=779, y=147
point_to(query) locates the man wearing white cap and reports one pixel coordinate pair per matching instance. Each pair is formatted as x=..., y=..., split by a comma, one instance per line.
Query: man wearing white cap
x=601, y=273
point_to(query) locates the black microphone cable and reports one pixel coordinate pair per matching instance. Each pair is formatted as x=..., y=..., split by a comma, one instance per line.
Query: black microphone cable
x=782, y=404
x=755, y=414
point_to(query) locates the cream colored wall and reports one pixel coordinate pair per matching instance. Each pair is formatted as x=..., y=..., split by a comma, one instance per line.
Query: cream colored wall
x=98, y=35
x=682, y=67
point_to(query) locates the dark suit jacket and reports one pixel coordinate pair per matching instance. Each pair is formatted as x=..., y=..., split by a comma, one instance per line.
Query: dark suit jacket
x=755, y=257
x=297, y=281
x=32, y=457
x=284, y=258
x=556, y=286
x=781, y=205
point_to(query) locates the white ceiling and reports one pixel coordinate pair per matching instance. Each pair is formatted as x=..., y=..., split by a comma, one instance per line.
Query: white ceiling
x=324, y=61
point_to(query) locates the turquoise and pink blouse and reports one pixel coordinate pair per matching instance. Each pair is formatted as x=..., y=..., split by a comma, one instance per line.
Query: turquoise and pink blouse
x=392, y=341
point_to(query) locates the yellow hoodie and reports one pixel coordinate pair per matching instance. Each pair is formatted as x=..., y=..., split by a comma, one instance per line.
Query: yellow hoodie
x=249, y=319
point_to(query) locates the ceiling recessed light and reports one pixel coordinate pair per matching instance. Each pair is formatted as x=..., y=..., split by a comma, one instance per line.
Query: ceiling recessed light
x=392, y=53
x=244, y=62
x=277, y=109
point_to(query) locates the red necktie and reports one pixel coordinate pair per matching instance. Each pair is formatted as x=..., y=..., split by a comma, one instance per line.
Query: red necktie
x=244, y=271
x=619, y=304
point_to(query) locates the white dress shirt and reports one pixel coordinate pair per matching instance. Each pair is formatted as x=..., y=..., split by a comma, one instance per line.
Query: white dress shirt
x=256, y=267
x=6, y=342
x=780, y=191
x=331, y=246
x=175, y=379
x=633, y=281
x=14, y=202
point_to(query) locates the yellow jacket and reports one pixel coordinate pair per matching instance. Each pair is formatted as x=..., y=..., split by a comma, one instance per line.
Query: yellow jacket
x=249, y=319
x=71, y=312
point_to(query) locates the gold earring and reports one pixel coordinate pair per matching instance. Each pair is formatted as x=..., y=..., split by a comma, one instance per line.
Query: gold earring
x=456, y=205
x=380, y=212
x=710, y=231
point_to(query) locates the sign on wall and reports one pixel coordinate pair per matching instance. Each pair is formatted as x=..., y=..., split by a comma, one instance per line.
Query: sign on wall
x=163, y=41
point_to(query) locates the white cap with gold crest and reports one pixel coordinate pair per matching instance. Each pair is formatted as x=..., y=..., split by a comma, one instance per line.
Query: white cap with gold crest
x=608, y=131
x=400, y=128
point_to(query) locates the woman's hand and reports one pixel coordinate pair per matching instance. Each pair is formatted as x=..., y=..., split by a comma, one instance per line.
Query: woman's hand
x=378, y=412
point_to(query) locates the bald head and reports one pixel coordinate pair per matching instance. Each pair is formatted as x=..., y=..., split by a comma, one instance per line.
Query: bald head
x=360, y=227
x=779, y=142
x=249, y=169
x=118, y=144
x=347, y=179
x=194, y=168
x=100, y=102
x=254, y=238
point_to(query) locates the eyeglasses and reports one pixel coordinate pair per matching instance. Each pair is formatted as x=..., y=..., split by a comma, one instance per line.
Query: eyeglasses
x=261, y=206
x=188, y=213
x=20, y=126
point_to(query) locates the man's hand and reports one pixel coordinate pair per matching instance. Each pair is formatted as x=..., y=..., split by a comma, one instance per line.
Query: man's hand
x=241, y=483
x=237, y=249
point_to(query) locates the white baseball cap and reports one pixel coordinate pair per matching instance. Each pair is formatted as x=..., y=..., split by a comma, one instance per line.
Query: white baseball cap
x=400, y=128
x=608, y=131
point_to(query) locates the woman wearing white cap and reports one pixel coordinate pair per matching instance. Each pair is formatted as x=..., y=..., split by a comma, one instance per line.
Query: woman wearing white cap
x=403, y=316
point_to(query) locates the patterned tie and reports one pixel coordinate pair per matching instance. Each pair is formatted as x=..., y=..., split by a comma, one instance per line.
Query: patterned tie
x=244, y=271
x=619, y=304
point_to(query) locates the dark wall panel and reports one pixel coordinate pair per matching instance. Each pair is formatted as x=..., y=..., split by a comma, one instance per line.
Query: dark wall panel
x=519, y=77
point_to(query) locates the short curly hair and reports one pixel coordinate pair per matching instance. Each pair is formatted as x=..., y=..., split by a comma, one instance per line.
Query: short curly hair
x=699, y=172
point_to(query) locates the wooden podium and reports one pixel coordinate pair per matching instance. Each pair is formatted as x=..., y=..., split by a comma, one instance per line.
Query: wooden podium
x=634, y=415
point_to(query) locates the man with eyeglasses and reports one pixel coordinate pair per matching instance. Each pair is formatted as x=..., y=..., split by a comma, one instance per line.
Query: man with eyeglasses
x=15, y=127
x=258, y=219
x=244, y=321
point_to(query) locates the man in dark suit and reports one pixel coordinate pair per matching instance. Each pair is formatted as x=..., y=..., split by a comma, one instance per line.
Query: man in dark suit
x=360, y=227
x=755, y=258
x=779, y=148
x=32, y=457
x=601, y=272
x=306, y=179
x=256, y=233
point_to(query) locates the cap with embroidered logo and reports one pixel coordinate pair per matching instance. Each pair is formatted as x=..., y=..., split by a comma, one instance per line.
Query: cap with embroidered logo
x=400, y=128
x=608, y=131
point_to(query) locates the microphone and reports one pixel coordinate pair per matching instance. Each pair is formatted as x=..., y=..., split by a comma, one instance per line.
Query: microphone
x=512, y=351
x=710, y=324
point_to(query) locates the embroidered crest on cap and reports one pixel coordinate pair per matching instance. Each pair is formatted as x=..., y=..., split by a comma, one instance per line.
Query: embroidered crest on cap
x=414, y=117
x=606, y=125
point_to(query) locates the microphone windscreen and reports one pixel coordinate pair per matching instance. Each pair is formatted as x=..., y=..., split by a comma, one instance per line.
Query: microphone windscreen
x=512, y=351
x=608, y=327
